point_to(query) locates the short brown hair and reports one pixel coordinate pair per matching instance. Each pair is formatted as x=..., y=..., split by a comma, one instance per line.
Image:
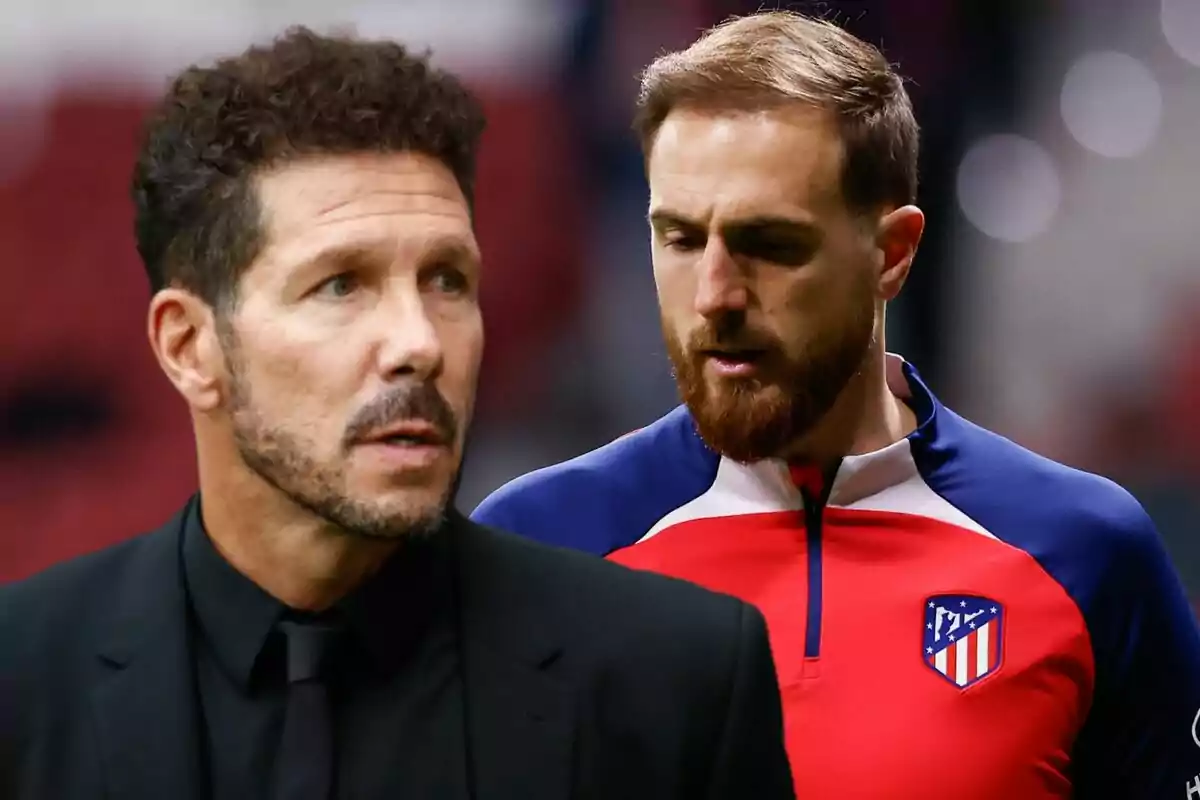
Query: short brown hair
x=197, y=218
x=776, y=58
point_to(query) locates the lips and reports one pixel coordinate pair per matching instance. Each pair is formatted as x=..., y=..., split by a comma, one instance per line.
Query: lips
x=411, y=433
x=743, y=356
x=738, y=364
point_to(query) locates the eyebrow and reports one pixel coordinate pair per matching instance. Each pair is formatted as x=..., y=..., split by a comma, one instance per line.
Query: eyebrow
x=341, y=252
x=443, y=248
x=761, y=223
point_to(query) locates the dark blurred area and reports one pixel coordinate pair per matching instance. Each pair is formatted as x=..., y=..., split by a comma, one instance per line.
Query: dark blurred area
x=1054, y=299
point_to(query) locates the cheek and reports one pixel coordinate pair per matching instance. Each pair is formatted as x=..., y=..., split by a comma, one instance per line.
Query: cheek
x=789, y=298
x=825, y=288
x=302, y=383
x=462, y=352
x=803, y=306
x=675, y=282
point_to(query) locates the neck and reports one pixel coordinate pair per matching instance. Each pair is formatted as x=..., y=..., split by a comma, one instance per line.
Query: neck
x=301, y=560
x=865, y=418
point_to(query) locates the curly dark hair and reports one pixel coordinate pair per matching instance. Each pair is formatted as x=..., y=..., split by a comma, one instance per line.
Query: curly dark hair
x=197, y=215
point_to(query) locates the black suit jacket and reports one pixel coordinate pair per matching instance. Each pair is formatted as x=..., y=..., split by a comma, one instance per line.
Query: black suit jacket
x=582, y=679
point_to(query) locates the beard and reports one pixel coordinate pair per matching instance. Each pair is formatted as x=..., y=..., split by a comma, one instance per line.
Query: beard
x=759, y=417
x=284, y=460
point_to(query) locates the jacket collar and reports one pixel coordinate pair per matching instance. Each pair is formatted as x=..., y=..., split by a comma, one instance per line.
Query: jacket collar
x=519, y=710
x=144, y=702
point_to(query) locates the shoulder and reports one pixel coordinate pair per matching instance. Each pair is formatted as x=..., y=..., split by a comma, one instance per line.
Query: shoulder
x=50, y=624
x=1089, y=534
x=656, y=663
x=1096, y=541
x=61, y=588
x=609, y=607
x=608, y=498
x=45, y=616
x=1055, y=512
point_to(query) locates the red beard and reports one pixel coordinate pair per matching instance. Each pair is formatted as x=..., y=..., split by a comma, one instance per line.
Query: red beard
x=758, y=417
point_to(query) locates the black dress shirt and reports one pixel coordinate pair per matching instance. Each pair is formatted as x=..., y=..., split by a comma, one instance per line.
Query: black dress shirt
x=396, y=689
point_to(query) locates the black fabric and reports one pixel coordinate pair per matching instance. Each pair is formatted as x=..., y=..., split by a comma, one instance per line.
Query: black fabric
x=548, y=675
x=392, y=664
x=239, y=661
x=234, y=619
x=304, y=766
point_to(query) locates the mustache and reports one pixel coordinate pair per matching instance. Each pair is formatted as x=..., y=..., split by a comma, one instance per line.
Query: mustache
x=407, y=403
x=730, y=333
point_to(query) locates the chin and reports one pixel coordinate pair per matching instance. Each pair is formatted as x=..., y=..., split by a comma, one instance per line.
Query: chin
x=402, y=495
x=747, y=421
x=412, y=501
x=396, y=517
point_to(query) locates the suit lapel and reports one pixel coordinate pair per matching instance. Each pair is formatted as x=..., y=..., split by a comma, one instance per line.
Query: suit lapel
x=145, y=698
x=520, y=715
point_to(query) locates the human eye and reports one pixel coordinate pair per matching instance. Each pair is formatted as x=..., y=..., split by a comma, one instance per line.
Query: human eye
x=782, y=252
x=785, y=247
x=448, y=279
x=336, y=286
x=682, y=241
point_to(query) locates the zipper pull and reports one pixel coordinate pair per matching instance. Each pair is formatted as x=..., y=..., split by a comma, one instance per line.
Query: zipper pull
x=809, y=480
x=813, y=482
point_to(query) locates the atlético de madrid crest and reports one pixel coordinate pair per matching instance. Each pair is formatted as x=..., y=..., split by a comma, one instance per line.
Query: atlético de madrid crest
x=963, y=634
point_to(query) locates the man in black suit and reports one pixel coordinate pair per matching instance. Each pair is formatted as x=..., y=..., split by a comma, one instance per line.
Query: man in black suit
x=319, y=622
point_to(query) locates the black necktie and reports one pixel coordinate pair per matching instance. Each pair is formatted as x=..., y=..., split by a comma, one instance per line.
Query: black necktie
x=304, y=766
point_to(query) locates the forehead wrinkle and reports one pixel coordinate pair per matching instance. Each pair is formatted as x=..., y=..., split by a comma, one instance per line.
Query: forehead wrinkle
x=310, y=189
x=405, y=194
x=297, y=233
x=338, y=219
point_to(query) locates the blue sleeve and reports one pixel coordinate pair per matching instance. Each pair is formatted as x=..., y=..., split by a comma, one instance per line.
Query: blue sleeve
x=607, y=499
x=1141, y=739
x=563, y=506
x=497, y=511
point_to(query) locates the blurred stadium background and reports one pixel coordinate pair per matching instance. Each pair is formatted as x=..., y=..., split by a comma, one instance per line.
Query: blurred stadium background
x=1056, y=297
